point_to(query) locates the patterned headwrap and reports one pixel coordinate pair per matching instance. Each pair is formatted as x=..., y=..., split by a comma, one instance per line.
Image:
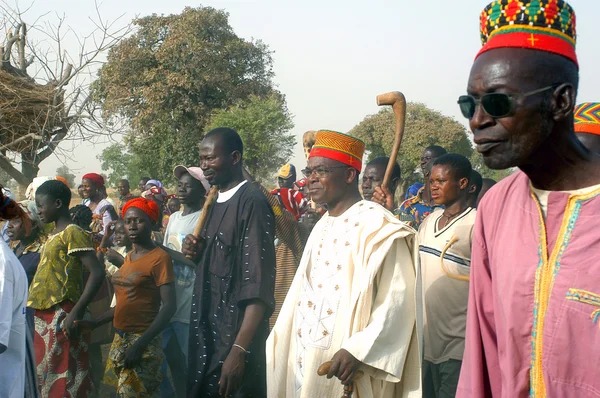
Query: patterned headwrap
x=339, y=146
x=587, y=118
x=31, y=210
x=156, y=183
x=158, y=194
x=147, y=206
x=545, y=25
x=97, y=179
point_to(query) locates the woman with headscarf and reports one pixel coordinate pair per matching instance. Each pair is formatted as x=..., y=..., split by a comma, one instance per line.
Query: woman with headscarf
x=104, y=212
x=145, y=303
x=16, y=344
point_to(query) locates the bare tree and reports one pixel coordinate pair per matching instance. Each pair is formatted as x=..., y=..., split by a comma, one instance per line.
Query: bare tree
x=52, y=104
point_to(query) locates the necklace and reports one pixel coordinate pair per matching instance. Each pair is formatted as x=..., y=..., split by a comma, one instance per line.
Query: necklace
x=452, y=215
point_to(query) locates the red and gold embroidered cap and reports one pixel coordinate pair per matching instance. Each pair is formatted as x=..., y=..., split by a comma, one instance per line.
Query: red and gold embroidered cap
x=339, y=146
x=587, y=118
x=545, y=25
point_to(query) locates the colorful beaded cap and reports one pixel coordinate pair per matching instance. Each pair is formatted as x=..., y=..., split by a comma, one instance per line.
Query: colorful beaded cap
x=587, y=118
x=339, y=146
x=546, y=25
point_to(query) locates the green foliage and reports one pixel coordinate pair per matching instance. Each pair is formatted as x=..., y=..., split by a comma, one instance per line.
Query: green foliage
x=65, y=173
x=264, y=126
x=120, y=164
x=424, y=127
x=168, y=79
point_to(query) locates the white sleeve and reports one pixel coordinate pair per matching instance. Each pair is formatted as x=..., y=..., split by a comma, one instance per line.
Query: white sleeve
x=6, y=301
x=385, y=342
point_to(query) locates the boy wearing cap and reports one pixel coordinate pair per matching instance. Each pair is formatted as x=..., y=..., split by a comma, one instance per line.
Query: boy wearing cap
x=191, y=191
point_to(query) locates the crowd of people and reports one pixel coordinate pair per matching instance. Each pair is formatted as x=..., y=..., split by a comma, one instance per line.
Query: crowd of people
x=459, y=286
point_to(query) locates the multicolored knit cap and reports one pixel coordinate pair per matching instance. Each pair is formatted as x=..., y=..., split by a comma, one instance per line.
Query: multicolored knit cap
x=587, y=118
x=339, y=146
x=545, y=25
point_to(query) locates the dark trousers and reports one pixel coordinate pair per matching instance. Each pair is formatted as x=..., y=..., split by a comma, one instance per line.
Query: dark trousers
x=441, y=380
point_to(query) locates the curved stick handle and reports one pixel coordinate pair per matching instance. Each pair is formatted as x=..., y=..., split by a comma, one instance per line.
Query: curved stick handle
x=398, y=102
x=324, y=369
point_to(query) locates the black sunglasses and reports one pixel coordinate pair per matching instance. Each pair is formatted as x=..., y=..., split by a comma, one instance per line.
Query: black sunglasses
x=497, y=105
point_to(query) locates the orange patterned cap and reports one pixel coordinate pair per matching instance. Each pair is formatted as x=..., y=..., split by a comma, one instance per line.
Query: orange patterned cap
x=339, y=146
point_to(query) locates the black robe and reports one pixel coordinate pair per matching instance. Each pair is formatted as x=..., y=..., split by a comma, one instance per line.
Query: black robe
x=238, y=265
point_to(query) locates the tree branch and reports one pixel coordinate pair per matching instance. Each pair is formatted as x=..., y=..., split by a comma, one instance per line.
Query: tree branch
x=6, y=165
x=51, y=147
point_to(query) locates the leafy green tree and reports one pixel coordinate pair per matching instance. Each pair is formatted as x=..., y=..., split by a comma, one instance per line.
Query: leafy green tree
x=121, y=164
x=171, y=75
x=65, y=173
x=424, y=127
x=264, y=125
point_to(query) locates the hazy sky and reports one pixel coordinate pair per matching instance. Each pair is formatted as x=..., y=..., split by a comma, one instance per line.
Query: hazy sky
x=332, y=58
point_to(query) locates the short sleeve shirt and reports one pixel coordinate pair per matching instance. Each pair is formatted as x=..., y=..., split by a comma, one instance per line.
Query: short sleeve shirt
x=137, y=290
x=59, y=276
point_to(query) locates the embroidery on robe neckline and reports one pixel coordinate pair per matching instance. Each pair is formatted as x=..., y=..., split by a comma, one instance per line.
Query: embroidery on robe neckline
x=547, y=270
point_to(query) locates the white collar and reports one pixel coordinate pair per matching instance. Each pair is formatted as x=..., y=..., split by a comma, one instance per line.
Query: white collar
x=225, y=196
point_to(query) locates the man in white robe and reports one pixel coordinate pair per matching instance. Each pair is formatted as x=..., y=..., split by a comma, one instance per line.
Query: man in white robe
x=353, y=297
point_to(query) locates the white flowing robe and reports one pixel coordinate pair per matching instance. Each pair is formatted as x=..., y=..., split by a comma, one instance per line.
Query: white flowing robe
x=354, y=290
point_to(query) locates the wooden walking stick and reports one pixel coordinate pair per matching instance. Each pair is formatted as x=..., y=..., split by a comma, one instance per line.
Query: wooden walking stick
x=398, y=102
x=348, y=390
x=208, y=203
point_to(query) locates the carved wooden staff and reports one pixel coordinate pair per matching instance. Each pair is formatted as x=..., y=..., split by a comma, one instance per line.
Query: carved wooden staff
x=208, y=204
x=348, y=390
x=398, y=102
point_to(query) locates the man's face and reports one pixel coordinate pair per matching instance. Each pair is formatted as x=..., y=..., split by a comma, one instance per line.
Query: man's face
x=371, y=179
x=330, y=186
x=509, y=141
x=189, y=190
x=426, y=158
x=445, y=187
x=123, y=188
x=216, y=163
x=286, y=182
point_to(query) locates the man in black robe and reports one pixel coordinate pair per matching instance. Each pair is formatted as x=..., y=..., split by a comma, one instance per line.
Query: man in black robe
x=235, y=279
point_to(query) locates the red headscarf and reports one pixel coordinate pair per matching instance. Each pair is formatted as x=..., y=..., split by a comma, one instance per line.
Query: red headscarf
x=147, y=206
x=97, y=179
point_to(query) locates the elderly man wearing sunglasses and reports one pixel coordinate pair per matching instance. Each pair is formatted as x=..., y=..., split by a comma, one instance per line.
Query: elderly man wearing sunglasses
x=534, y=298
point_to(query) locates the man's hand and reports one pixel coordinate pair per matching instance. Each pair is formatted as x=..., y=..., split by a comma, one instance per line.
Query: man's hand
x=344, y=367
x=232, y=372
x=192, y=247
x=133, y=355
x=382, y=196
